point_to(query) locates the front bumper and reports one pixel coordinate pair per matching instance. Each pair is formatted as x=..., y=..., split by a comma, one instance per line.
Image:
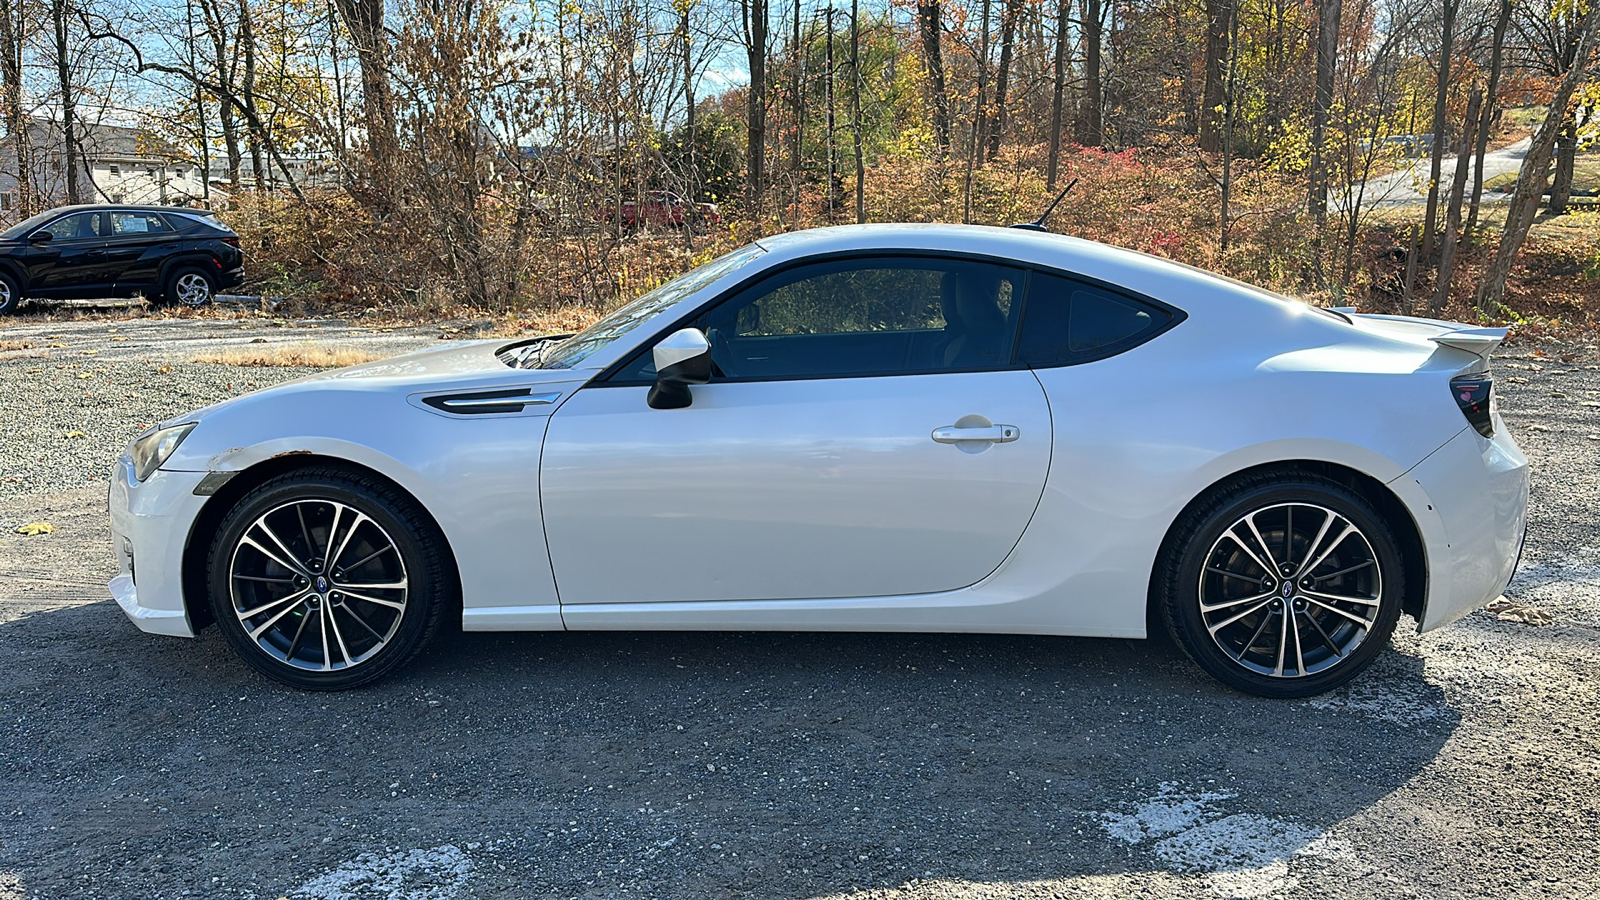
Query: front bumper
x=1469, y=499
x=150, y=525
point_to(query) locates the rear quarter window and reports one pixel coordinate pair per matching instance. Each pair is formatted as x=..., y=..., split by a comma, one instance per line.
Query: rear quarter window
x=1068, y=321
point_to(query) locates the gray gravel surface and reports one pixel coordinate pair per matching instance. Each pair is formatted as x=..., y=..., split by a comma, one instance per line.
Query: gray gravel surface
x=774, y=765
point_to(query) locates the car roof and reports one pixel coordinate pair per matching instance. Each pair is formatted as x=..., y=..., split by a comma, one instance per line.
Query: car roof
x=129, y=207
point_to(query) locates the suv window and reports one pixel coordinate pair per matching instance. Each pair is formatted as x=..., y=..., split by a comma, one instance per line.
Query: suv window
x=136, y=223
x=875, y=316
x=1071, y=322
x=78, y=226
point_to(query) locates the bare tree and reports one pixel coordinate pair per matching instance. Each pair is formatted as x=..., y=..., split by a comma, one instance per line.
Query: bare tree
x=930, y=26
x=1058, y=87
x=753, y=16
x=13, y=34
x=1486, y=117
x=1535, y=167
x=1328, y=14
x=1091, y=127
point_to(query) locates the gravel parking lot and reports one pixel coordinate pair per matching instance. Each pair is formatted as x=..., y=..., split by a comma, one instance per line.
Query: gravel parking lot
x=1467, y=764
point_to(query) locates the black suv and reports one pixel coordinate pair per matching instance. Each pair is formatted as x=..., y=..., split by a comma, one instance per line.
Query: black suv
x=161, y=252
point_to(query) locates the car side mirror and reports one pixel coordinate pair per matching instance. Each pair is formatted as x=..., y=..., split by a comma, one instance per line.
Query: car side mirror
x=40, y=237
x=682, y=358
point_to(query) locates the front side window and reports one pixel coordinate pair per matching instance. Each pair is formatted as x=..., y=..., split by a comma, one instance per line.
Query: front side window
x=78, y=226
x=856, y=317
x=1070, y=321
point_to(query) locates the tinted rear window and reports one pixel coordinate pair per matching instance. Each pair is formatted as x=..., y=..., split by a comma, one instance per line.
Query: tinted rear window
x=1069, y=321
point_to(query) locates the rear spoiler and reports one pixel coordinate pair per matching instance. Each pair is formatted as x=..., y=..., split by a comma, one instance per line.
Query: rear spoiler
x=1481, y=341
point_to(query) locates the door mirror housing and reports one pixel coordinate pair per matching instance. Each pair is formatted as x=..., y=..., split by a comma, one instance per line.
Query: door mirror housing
x=40, y=237
x=682, y=358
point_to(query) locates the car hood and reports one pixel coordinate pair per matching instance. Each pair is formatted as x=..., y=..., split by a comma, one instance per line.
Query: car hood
x=458, y=365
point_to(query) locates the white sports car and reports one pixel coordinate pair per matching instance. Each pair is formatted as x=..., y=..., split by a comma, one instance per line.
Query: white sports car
x=870, y=428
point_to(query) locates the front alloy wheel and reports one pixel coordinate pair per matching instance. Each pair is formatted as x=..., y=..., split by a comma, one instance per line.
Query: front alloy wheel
x=1286, y=589
x=326, y=579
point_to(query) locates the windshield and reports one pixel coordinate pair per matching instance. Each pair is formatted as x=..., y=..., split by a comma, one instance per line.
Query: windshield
x=588, y=341
x=31, y=224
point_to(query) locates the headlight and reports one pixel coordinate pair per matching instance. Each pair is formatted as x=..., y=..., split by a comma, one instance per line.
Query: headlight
x=151, y=450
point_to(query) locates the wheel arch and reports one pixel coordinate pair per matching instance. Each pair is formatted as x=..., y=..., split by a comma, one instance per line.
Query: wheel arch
x=1413, y=557
x=197, y=545
x=17, y=272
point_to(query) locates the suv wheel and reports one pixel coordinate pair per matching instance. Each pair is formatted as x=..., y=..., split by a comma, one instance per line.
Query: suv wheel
x=190, y=287
x=10, y=294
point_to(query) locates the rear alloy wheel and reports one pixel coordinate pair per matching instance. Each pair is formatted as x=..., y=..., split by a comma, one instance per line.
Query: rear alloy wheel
x=1287, y=588
x=327, y=580
x=10, y=294
x=190, y=287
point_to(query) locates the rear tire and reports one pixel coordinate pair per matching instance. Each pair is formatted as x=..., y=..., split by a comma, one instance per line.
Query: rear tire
x=10, y=294
x=190, y=287
x=1276, y=550
x=325, y=579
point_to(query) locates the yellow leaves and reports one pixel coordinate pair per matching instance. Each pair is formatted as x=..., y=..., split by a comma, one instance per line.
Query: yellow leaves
x=76, y=434
x=33, y=529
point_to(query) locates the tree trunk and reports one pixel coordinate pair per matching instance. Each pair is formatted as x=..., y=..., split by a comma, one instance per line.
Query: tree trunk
x=1327, y=58
x=69, y=99
x=1441, y=98
x=1566, y=156
x=1218, y=14
x=364, y=20
x=855, y=109
x=1502, y=18
x=1091, y=128
x=1058, y=88
x=13, y=23
x=1008, y=31
x=755, y=34
x=931, y=23
x=1535, y=166
x=1452, y=226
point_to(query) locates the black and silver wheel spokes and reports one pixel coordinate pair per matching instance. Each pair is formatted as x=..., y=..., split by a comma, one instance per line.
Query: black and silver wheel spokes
x=1290, y=590
x=318, y=585
x=192, y=289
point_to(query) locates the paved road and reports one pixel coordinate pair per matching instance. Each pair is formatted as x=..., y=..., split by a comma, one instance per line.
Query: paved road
x=1410, y=184
x=1467, y=764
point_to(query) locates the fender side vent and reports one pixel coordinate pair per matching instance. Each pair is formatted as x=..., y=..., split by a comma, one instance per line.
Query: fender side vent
x=481, y=403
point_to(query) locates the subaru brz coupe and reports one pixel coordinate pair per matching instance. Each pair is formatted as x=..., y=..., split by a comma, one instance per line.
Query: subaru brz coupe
x=870, y=428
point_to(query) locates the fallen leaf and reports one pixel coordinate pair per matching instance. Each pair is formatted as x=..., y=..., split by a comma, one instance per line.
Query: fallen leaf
x=35, y=528
x=1508, y=610
x=119, y=339
x=164, y=370
x=76, y=434
x=57, y=346
x=82, y=375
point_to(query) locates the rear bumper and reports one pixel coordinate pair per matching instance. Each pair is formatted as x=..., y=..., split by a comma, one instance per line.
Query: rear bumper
x=230, y=278
x=150, y=525
x=1469, y=499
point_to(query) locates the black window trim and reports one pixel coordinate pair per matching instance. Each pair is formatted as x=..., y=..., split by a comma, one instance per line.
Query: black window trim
x=1028, y=269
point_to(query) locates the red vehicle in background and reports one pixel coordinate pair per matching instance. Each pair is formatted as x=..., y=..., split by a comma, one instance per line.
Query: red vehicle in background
x=662, y=208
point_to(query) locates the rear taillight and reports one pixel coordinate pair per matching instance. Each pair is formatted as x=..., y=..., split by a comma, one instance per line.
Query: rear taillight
x=1475, y=395
x=231, y=240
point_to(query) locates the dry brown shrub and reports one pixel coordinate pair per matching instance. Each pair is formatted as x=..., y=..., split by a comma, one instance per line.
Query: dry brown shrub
x=308, y=356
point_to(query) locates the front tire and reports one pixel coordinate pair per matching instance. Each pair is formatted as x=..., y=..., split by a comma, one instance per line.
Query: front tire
x=1283, y=585
x=325, y=579
x=10, y=294
x=189, y=287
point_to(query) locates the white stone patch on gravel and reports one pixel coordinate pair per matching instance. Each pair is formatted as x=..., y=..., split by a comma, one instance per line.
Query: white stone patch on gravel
x=1388, y=692
x=1239, y=855
x=435, y=873
x=1168, y=812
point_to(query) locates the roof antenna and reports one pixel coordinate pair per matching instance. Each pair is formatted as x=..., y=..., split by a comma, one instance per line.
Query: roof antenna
x=1038, y=224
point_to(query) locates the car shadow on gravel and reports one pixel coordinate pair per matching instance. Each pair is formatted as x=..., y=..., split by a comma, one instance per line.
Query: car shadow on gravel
x=682, y=764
